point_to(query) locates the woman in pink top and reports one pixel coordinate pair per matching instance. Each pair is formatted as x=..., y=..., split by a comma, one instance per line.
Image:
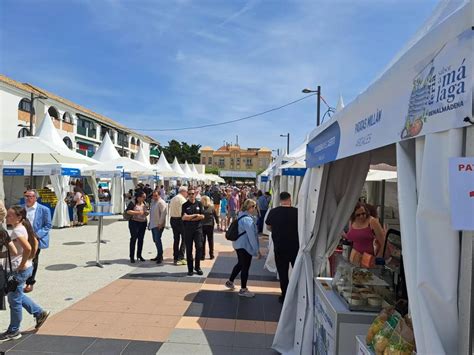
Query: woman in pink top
x=365, y=231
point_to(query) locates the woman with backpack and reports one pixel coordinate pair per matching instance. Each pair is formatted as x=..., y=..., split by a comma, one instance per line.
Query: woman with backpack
x=22, y=248
x=246, y=246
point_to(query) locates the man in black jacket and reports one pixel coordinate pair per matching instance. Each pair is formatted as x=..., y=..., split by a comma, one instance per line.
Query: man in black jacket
x=282, y=221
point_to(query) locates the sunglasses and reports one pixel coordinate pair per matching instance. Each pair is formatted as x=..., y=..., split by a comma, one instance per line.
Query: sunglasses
x=190, y=193
x=361, y=214
x=30, y=196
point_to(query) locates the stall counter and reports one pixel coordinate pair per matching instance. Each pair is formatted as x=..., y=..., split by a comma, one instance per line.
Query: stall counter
x=336, y=327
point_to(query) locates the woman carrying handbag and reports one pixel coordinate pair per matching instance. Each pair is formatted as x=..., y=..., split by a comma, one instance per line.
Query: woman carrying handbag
x=20, y=249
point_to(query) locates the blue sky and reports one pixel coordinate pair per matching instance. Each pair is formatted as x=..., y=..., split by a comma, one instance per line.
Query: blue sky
x=175, y=63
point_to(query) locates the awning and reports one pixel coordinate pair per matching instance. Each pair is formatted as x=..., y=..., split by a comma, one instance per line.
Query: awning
x=238, y=174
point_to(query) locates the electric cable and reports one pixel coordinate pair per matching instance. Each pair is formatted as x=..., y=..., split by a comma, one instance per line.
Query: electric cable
x=225, y=122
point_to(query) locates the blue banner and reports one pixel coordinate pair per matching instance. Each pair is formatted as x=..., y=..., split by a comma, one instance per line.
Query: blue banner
x=263, y=178
x=127, y=176
x=13, y=172
x=70, y=172
x=293, y=171
x=324, y=147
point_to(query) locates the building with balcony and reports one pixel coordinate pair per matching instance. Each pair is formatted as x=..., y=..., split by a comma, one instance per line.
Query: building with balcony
x=235, y=158
x=81, y=129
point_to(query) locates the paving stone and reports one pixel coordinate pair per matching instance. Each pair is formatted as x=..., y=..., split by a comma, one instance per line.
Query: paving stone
x=11, y=344
x=188, y=336
x=106, y=346
x=142, y=348
x=55, y=343
x=250, y=340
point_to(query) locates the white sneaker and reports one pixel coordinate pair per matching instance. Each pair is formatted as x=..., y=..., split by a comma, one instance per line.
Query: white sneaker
x=244, y=292
x=230, y=285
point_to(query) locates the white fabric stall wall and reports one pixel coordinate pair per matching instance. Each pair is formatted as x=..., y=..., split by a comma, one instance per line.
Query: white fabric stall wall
x=430, y=247
x=296, y=318
x=61, y=213
x=91, y=180
x=326, y=200
x=116, y=187
x=2, y=191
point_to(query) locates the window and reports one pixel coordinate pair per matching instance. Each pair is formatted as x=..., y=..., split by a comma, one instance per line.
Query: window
x=138, y=142
x=209, y=160
x=132, y=141
x=25, y=105
x=67, y=117
x=232, y=161
x=221, y=162
x=122, y=139
x=248, y=162
x=53, y=112
x=203, y=160
x=238, y=161
x=132, y=155
x=68, y=142
x=23, y=132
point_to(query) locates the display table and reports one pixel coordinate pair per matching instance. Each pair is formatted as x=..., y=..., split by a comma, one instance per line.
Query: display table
x=335, y=325
x=100, y=216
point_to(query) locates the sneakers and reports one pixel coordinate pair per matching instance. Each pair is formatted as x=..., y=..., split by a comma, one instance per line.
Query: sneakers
x=244, y=292
x=181, y=262
x=230, y=285
x=190, y=273
x=41, y=319
x=9, y=336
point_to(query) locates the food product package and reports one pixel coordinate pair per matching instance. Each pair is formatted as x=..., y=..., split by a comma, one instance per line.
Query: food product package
x=378, y=324
x=355, y=257
x=402, y=341
x=382, y=339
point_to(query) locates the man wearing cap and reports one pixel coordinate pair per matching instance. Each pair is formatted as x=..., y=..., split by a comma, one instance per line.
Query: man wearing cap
x=175, y=206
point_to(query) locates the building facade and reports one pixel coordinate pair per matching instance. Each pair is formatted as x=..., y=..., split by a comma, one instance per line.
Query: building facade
x=235, y=158
x=80, y=128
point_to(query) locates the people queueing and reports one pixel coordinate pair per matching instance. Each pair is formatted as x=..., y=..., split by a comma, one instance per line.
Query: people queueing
x=192, y=216
x=22, y=246
x=158, y=211
x=138, y=211
x=282, y=221
x=262, y=205
x=39, y=217
x=210, y=216
x=246, y=246
x=176, y=222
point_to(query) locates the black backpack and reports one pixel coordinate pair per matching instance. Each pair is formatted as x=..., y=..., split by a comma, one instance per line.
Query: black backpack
x=232, y=232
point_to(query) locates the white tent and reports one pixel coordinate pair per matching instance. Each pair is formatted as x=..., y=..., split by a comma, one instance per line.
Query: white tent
x=48, y=132
x=163, y=168
x=406, y=109
x=142, y=158
x=176, y=167
x=188, y=172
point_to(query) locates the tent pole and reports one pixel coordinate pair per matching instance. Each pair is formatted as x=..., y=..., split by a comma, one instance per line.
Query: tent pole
x=466, y=275
x=382, y=204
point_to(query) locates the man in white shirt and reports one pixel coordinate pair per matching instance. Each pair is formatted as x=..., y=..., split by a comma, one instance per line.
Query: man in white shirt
x=176, y=204
x=158, y=212
x=40, y=219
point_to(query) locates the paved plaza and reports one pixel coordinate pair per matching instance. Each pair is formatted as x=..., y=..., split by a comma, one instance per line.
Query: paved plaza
x=143, y=308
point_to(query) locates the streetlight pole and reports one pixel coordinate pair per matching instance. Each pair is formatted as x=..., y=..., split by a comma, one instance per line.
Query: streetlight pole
x=32, y=100
x=287, y=142
x=318, y=102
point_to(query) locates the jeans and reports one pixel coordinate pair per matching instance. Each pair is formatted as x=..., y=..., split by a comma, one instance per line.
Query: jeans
x=283, y=259
x=179, y=246
x=193, y=235
x=242, y=266
x=80, y=213
x=18, y=300
x=31, y=280
x=157, y=233
x=260, y=220
x=137, y=233
x=207, y=233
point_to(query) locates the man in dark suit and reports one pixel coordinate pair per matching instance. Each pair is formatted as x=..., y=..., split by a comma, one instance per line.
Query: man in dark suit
x=40, y=218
